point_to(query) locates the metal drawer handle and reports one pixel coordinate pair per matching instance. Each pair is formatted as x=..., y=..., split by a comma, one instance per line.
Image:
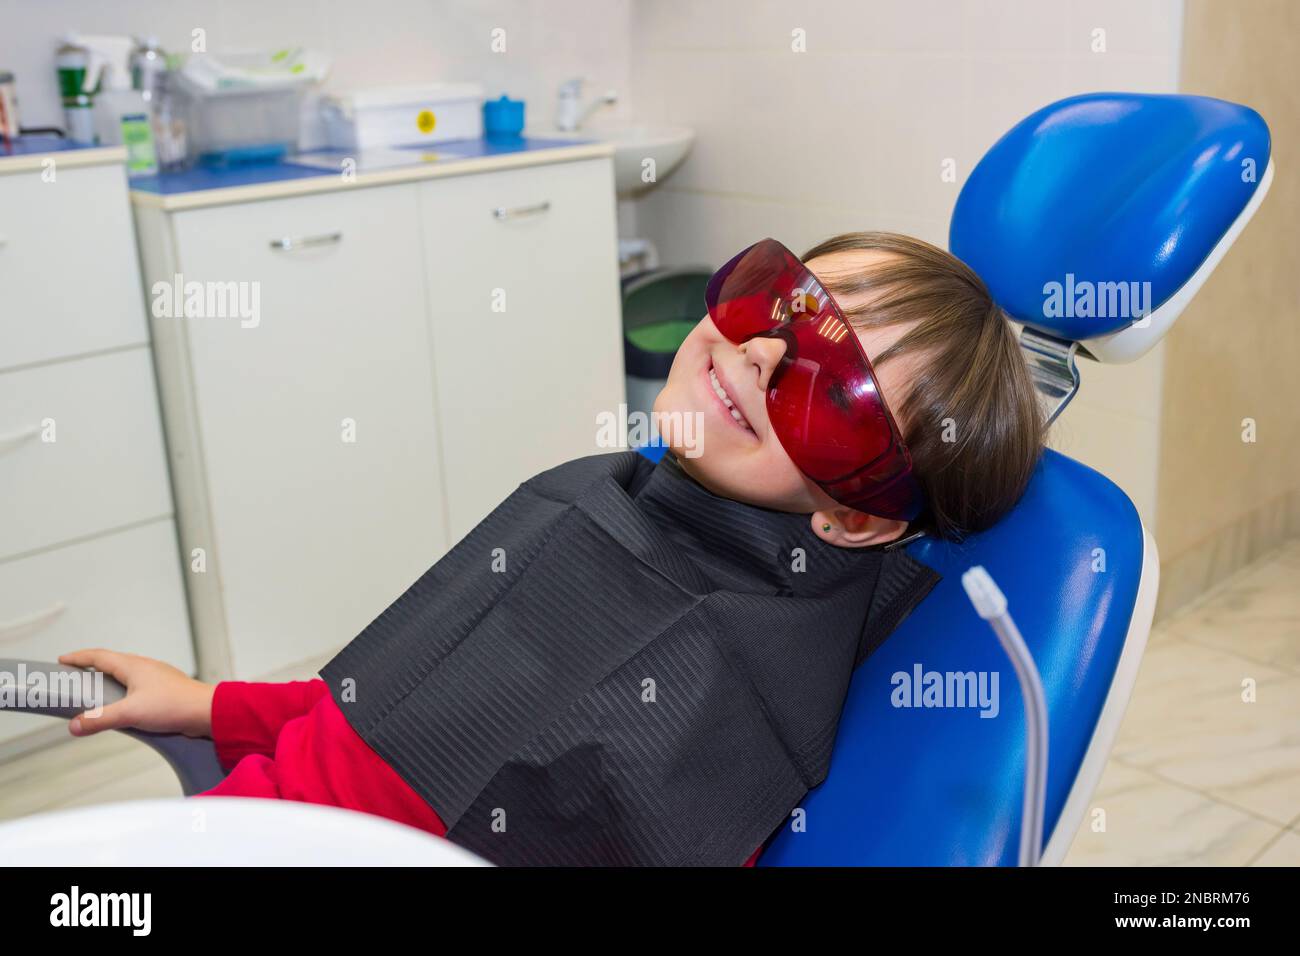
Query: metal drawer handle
x=290, y=243
x=501, y=213
x=21, y=627
x=14, y=439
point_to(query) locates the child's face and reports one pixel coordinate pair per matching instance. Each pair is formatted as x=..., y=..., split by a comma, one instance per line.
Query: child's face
x=744, y=460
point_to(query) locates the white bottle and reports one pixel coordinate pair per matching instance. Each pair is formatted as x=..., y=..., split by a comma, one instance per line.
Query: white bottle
x=121, y=113
x=108, y=80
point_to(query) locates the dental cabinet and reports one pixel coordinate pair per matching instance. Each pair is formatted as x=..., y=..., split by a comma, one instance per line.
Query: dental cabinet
x=356, y=369
x=88, y=546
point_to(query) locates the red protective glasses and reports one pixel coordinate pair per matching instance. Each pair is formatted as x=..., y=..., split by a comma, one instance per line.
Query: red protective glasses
x=823, y=399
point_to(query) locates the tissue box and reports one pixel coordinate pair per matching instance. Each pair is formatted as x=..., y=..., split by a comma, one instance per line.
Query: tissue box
x=407, y=115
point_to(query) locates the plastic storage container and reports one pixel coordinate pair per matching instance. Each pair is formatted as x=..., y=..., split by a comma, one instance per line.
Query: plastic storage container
x=246, y=107
x=660, y=307
x=242, y=127
x=404, y=115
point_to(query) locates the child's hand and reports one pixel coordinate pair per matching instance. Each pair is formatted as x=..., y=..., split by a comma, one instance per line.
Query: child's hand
x=159, y=697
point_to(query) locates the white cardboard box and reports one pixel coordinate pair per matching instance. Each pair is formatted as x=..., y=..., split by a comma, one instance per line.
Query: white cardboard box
x=404, y=115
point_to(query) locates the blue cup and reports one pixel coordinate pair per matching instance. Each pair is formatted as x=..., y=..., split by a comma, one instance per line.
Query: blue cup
x=503, y=119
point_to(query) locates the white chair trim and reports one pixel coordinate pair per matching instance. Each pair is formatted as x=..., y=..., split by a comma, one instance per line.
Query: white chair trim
x=1112, y=711
x=1131, y=343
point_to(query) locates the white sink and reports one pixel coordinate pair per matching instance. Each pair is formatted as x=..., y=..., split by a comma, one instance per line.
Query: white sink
x=666, y=145
x=633, y=145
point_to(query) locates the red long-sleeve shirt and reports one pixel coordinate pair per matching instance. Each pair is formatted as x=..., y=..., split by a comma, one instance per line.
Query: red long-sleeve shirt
x=290, y=741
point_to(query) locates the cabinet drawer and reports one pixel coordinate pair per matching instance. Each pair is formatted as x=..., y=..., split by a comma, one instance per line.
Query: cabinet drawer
x=68, y=268
x=105, y=467
x=520, y=388
x=317, y=421
x=121, y=591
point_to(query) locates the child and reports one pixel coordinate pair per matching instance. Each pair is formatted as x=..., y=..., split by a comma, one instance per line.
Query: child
x=628, y=663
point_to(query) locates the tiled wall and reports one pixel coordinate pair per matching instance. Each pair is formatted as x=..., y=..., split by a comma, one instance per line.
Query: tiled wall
x=372, y=42
x=852, y=133
x=1235, y=351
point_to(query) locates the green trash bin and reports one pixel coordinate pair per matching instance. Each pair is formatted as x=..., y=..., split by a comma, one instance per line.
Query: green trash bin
x=660, y=307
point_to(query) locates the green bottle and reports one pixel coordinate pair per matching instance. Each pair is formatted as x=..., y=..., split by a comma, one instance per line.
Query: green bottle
x=72, y=62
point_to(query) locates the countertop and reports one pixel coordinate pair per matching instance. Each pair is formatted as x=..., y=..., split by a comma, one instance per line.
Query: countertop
x=326, y=170
x=31, y=152
x=312, y=171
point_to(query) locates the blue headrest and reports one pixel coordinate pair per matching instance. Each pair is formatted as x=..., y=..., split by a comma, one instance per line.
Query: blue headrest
x=943, y=786
x=1107, y=187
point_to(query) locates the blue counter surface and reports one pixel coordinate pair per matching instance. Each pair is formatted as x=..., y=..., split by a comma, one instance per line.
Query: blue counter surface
x=326, y=162
x=40, y=145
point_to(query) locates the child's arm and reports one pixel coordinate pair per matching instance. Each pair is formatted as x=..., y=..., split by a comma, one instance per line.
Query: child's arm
x=159, y=697
x=319, y=758
x=242, y=718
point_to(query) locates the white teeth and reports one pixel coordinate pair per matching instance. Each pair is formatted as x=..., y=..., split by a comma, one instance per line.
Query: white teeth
x=722, y=393
x=726, y=399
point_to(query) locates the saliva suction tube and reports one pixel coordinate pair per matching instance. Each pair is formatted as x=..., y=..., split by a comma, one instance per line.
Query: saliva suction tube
x=991, y=604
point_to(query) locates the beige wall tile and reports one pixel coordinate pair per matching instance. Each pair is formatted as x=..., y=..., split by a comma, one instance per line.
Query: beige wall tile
x=1119, y=445
x=851, y=134
x=1234, y=352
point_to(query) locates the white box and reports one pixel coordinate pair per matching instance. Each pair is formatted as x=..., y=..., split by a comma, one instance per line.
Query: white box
x=404, y=115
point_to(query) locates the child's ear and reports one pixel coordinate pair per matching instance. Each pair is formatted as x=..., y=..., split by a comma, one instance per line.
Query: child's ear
x=847, y=528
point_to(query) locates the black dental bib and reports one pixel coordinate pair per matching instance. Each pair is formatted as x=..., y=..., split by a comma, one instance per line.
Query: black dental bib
x=618, y=667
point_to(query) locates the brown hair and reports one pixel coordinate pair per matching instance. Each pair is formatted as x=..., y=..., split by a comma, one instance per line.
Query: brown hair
x=971, y=419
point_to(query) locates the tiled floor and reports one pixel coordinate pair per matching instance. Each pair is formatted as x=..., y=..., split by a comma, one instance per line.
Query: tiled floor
x=1198, y=775
x=1201, y=773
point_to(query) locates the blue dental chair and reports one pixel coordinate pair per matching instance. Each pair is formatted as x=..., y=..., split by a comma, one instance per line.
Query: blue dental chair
x=1095, y=192
x=1088, y=193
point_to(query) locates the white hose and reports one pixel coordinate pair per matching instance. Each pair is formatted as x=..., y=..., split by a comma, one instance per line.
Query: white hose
x=991, y=604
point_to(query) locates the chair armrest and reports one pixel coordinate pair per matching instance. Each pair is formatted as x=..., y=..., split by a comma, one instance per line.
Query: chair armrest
x=67, y=693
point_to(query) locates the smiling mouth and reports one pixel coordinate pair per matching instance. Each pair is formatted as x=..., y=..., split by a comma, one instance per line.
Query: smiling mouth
x=727, y=400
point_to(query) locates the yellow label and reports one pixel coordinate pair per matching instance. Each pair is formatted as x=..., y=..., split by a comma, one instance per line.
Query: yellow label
x=425, y=121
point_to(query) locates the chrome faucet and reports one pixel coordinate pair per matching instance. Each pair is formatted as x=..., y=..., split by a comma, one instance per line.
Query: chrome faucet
x=569, y=114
